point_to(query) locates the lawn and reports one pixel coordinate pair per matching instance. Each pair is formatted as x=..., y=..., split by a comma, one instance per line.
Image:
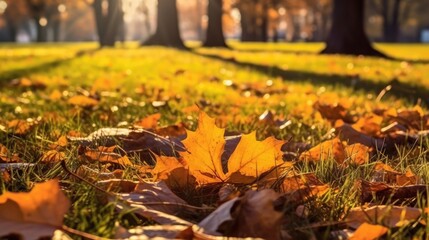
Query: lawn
x=287, y=91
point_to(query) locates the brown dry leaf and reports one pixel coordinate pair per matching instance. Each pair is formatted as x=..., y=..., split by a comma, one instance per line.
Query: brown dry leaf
x=28, y=83
x=331, y=111
x=106, y=155
x=369, y=125
x=149, y=122
x=60, y=143
x=82, y=101
x=303, y=186
x=35, y=214
x=331, y=149
x=409, y=178
x=347, y=133
x=388, y=215
x=6, y=156
x=19, y=127
x=368, y=231
x=157, y=194
x=252, y=215
x=53, y=156
x=384, y=173
x=358, y=153
x=386, y=193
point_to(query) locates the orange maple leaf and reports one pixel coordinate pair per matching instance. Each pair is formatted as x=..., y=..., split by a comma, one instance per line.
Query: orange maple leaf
x=205, y=147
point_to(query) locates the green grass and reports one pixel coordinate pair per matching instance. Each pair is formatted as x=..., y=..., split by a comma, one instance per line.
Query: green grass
x=128, y=79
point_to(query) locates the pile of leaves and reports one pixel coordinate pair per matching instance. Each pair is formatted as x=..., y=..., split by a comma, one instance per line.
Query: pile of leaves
x=209, y=183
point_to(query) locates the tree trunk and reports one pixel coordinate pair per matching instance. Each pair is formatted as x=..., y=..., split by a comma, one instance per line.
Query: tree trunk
x=56, y=28
x=99, y=20
x=108, y=25
x=215, y=36
x=167, y=30
x=113, y=21
x=347, y=34
x=41, y=31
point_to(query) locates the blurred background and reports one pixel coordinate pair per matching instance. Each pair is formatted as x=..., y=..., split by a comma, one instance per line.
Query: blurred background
x=26, y=21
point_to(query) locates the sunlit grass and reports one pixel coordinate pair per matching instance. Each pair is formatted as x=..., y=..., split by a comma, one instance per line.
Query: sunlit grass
x=128, y=79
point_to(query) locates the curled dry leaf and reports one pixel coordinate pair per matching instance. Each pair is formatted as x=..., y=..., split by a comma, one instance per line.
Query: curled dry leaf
x=387, y=215
x=386, y=193
x=253, y=215
x=368, y=231
x=155, y=192
x=35, y=214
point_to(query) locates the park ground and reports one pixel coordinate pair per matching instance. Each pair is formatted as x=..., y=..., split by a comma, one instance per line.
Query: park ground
x=280, y=90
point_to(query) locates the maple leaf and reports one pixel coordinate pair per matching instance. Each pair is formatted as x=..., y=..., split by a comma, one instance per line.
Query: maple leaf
x=204, y=149
x=35, y=214
x=252, y=158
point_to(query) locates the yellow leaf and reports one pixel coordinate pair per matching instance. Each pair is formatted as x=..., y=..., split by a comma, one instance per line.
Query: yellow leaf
x=368, y=231
x=358, y=153
x=170, y=170
x=204, y=149
x=251, y=158
x=83, y=101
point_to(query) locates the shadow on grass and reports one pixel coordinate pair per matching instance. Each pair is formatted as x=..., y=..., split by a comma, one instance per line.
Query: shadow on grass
x=308, y=52
x=7, y=76
x=398, y=89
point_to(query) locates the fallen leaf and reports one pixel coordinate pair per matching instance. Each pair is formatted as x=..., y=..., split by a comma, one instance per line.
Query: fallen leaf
x=252, y=215
x=19, y=127
x=149, y=122
x=332, y=149
x=358, y=153
x=173, y=172
x=158, y=195
x=104, y=155
x=204, y=149
x=35, y=214
x=368, y=231
x=252, y=158
x=388, y=215
x=59, y=144
x=7, y=157
x=82, y=101
x=52, y=156
x=385, y=193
